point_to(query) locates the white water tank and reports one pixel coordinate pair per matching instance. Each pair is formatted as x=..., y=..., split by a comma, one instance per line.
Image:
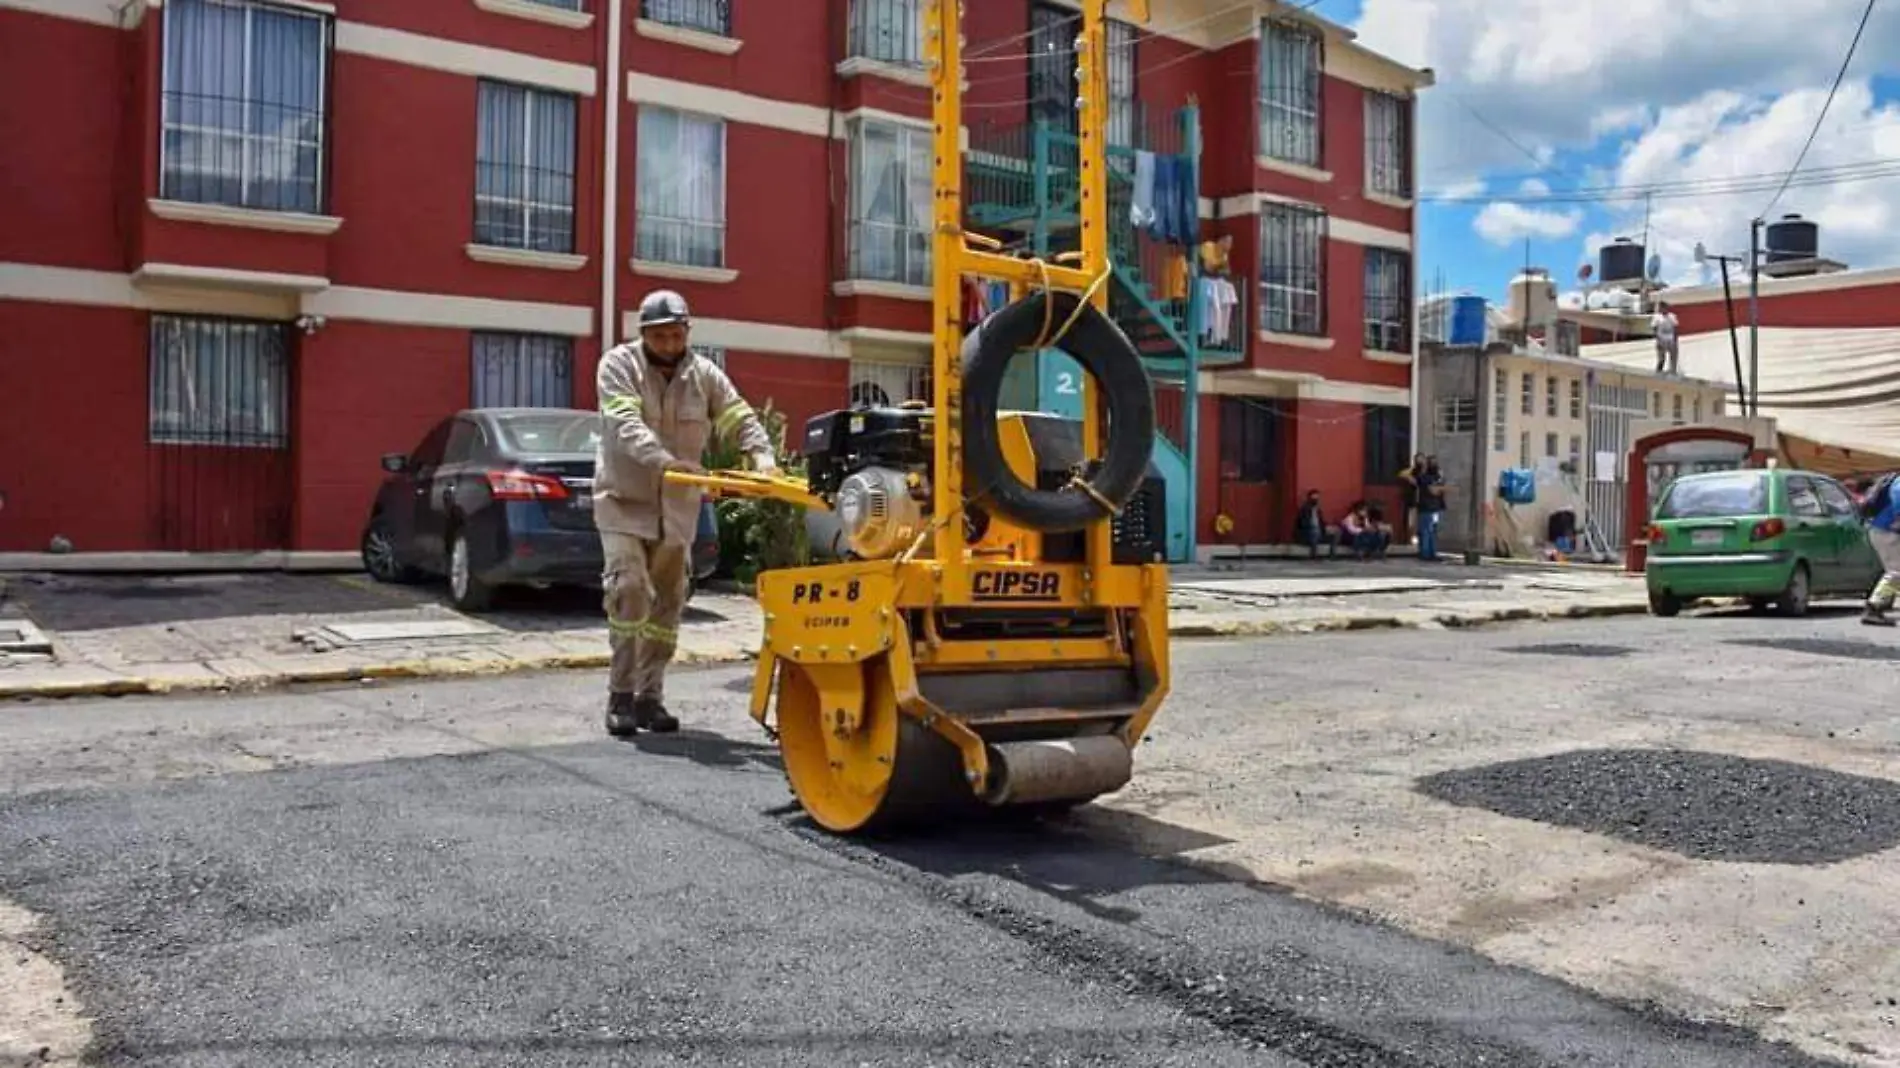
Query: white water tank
x=1533, y=298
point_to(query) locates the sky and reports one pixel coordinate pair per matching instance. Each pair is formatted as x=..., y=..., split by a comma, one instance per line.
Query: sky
x=1552, y=119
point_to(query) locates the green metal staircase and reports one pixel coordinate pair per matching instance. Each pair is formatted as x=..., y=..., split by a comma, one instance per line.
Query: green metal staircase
x=1020, y=187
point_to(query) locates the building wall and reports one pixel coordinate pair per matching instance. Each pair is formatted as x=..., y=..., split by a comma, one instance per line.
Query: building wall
x=1863, y=298
x=384, y=272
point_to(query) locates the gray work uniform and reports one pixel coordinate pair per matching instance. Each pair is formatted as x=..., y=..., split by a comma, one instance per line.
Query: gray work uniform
x=646, y=526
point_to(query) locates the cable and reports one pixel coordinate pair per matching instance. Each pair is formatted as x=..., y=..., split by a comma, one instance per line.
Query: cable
x=1839, y=76
x=1870, y=170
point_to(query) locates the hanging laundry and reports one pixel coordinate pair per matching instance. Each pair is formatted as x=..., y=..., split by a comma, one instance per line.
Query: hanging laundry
x=1142, y=212
x=1163, y=226
x=1174, y=278
x=1188, y=208
x=998, y=295
x=1218, y=299
x=976, y=306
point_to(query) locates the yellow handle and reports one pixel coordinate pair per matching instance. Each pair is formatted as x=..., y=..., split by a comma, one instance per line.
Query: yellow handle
x=752, y=484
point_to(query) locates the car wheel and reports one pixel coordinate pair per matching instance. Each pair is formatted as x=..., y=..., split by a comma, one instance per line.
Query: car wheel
x=379, y=553
x=1794, y=600
x=467, y=592
x=1664, y=604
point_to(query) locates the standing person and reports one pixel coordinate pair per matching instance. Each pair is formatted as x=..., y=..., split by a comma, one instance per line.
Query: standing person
x=1431, y=506
x=1409, y=507
x=1663, y=325
x=659, y=403
x=1886, y=542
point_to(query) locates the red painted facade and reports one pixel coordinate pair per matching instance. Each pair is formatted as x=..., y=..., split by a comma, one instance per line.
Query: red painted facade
x=86, y=262
x=1844, y=300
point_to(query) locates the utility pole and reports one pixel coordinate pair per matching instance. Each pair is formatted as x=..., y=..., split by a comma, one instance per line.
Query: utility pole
x=1754, y=317
x=1474, y=521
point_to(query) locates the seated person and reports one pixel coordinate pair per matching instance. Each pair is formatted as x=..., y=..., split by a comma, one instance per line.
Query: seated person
x=1368, y=537
x=1311, y=529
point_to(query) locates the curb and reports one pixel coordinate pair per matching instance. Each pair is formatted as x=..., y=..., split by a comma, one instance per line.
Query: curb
x=157, y=685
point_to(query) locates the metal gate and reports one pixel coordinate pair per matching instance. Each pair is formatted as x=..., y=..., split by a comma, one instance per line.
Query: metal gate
x=218, y=460
x=1613, y=407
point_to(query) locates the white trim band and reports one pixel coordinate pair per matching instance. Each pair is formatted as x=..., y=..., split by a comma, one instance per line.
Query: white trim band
x=455, y=57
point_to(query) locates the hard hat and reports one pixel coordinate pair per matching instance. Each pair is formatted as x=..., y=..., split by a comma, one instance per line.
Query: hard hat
x=662, y=306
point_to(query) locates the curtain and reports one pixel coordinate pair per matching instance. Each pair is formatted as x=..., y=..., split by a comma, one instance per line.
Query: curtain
x=242, y=106
x=218, y=382
x=524, y=168
x=521, y=371
x=681, y=178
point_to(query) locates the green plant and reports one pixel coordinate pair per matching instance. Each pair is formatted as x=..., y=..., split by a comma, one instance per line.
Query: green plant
x=758, y=535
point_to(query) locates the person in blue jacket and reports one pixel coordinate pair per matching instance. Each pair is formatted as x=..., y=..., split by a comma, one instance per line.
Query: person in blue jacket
x=1886, y=543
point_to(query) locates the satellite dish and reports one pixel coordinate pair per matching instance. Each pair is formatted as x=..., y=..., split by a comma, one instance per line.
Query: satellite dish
x=1583, y=272
x=1655, y=266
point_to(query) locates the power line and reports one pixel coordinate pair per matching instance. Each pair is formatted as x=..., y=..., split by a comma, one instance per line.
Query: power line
x=1862, y=170
x=1839, y=76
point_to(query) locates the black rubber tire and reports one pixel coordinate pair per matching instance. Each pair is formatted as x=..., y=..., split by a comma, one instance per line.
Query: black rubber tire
x=1095, y=342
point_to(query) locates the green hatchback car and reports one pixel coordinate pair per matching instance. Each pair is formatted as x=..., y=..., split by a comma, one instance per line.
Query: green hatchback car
x=1776, y=537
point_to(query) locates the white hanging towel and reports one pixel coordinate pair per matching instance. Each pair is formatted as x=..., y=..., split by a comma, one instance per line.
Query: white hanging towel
x=1143, y=210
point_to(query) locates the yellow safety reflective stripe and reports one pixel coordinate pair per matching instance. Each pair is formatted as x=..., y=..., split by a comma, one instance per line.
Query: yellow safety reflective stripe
x=620, y=405
x=732, y=416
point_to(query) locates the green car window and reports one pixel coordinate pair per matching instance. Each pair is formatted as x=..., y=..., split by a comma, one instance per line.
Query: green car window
x=1716, y=496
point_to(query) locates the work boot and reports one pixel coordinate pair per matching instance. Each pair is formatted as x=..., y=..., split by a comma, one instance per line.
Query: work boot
x=623, y=719
x=651, y=715
x=1876, y=616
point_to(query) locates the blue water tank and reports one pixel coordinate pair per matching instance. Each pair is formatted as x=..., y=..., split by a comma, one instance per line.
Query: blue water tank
x=1467, y=321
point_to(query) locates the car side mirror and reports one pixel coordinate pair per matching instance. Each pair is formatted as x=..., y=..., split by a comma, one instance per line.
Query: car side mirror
x=395, y=463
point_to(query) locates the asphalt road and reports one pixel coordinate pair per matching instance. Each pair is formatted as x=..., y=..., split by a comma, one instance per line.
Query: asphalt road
x=467, y=874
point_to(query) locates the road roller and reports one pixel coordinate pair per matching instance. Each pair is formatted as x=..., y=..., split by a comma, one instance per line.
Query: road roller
x=995, y=632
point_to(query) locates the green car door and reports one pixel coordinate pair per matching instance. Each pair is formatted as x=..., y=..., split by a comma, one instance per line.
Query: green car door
x=1859, y=565
x=1812, y=532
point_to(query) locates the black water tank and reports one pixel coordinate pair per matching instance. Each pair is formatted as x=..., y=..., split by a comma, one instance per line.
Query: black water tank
x=1620, y=261
x=1793, y=238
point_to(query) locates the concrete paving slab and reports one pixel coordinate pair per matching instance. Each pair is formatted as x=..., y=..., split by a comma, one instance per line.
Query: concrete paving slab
x=20, y=636
x=363, y=633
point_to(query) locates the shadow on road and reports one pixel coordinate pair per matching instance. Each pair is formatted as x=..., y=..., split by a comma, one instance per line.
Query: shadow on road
x=708, y=749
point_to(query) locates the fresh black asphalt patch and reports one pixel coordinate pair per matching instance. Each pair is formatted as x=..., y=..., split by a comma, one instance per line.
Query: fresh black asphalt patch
x=606, y=903
x=1705, y=806
x=1570, y=649
x=1845, y=650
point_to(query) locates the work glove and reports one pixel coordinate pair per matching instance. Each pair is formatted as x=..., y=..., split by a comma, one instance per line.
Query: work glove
x=685, y=466
x=765, y=465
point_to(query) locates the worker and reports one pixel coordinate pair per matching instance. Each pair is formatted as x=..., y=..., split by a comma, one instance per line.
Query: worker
x=659, y=403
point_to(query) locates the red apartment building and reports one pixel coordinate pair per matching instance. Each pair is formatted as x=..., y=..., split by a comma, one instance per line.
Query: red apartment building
x=251, y=245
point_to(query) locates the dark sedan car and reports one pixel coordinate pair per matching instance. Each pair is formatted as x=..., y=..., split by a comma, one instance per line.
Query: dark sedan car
x=497, y=497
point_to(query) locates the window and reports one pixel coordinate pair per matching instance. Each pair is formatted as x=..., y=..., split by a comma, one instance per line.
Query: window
x=1121, y=122
x=1052, y=92
x=681, y=179
x=242, y=105
x=1500, y=404
x=1292, y=269
x=1388, y=299
x=524, y=168
x=1715, y=496
x=887, y=383
x=889, y=31
x=713, y=354
x=1802, y=498
x=1388, y=442
x=1289, y=92
x=706, y=16
x=1249, y=439
x=1697, y=417
x=1524, y=448
x=1576, y=398
x=891, y=203
x=219, y=382
x=1655, y=405
x=1569, y=338
x=1675, y=409
x=1576, y=451
x=1457, y=415
x=521, y=371
x=1550, y=395
x=1388, y=144
x=1550, y=444
x=1529, y=403
x=1839, y=504
x=466, y=442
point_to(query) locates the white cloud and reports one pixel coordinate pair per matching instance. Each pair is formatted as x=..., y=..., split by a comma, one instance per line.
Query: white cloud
x=1507, y=223
x=1724, y=136
x=1560, y=74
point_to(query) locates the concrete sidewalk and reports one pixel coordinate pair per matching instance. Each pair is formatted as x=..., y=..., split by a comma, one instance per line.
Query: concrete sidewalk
x=74, y=634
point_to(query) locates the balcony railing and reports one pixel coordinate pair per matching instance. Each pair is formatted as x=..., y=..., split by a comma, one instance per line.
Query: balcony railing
x=889, y=31
x=706, y=16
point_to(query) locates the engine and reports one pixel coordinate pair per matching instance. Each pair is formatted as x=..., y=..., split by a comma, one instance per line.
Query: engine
x=873, y=464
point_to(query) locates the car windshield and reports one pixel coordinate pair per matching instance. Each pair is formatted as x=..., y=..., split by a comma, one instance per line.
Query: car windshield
x=1742, y=493
x=576, y=432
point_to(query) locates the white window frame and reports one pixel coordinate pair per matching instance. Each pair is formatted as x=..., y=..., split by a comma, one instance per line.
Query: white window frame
x=888, y=382
x=1551, y=399
x=190, y=384
x=1500, y=410
x=907, y=241
x=1388, y=313
x=886, y=31
x=1388, y=118
x=526, y=162
x=1456, y=415
x=700, y=16
x=1290, y=105
x=1283, y=285
x=249, y=142
x=1576, y=398
x=661, y=233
